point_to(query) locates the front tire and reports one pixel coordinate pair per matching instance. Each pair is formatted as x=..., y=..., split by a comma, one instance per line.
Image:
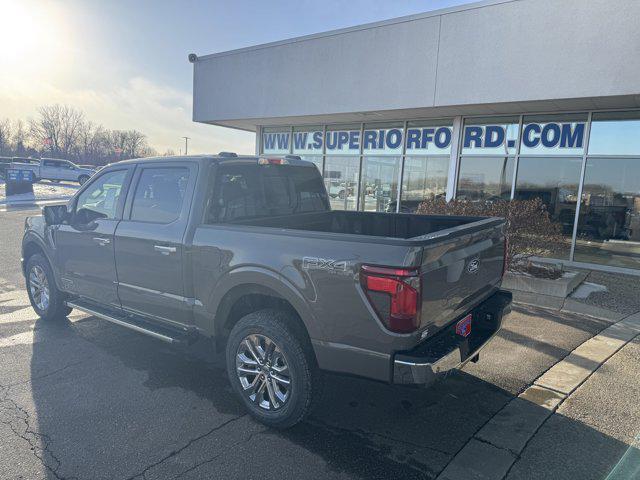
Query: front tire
x=82, y=179
x=271, y=369
x=45, y=298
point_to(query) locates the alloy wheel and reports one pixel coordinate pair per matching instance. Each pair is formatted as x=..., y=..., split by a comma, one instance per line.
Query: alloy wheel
x=39, y=287
x=263, y=372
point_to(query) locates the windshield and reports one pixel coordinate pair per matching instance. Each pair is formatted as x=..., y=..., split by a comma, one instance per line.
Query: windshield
x=249, y=191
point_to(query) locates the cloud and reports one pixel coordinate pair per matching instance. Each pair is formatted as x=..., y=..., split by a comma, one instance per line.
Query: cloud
x=161, y=112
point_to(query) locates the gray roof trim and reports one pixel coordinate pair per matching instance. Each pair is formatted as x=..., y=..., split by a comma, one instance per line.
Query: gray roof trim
x=366, y=26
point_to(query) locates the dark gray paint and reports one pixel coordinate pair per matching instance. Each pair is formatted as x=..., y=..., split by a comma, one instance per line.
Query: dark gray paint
x=221, y=260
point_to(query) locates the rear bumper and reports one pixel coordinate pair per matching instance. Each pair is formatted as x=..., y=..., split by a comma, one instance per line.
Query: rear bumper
x=446, y=350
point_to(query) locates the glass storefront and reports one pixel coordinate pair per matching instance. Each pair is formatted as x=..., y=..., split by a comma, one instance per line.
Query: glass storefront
x=341, y=178
x=555, y=182
x=584, y=167
x=485, y=178
x=608, y=230
x=379, y=183
x=424, y=178
x=487, y=159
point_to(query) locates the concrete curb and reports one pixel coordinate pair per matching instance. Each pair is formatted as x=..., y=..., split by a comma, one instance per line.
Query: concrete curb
x=493, y=450
x=566, y=305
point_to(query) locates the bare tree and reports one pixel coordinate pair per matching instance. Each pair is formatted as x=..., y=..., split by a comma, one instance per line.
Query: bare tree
x=57, y=129
x=93, y=143
x=19, y=138
x=62, y=131
x=5, y=137
x=136, y=143
x=118, y=143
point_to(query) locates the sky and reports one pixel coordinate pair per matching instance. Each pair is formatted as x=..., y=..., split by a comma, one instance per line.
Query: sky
x=124, y=63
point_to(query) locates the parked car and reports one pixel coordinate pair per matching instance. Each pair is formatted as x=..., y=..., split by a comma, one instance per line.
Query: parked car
x=56, y=170
x=4, y=164
x=245, y=256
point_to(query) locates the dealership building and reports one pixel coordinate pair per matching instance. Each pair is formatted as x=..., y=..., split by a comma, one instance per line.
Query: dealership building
x=502, y=99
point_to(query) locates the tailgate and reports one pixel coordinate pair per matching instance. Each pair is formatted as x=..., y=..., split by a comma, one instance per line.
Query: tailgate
x=460, y=271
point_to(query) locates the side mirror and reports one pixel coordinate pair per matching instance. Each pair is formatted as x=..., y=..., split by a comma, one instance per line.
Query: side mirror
x=55, y=214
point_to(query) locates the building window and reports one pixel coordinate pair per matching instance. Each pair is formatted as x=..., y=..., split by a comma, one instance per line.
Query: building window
x=424, y=178
x=379, y=186
x=609, y=224
x=487, y=162
x=276, y=140
x=341, y=175
x=308, y=143
x=555, y=182
x=485, y=178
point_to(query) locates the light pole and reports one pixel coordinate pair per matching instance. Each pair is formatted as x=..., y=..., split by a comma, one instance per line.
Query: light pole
x=186, y=144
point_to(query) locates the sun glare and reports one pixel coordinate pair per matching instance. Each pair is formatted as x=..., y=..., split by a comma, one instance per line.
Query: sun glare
x=31, y=36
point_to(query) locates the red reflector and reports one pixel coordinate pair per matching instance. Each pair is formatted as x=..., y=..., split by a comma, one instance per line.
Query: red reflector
x=396, y=272
x=402, y=286
x=463, y=327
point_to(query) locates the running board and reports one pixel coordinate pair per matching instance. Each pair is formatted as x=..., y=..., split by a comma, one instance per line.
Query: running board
x=168, y=335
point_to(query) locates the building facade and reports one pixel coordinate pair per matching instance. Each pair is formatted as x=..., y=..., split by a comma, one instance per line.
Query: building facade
x=512, y=100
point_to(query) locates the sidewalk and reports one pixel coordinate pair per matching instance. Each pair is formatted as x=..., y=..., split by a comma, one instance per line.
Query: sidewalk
x=593, y=428
x=579, y=419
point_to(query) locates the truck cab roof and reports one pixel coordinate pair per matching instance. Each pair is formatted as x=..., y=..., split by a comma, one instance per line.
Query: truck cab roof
x=227, y=158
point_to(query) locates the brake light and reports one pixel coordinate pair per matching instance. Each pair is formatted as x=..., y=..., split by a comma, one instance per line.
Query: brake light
x=402, y=285
x=272, y=161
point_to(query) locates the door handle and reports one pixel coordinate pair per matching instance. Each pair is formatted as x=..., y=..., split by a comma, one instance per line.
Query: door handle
x=164, y=250
x=102, y=241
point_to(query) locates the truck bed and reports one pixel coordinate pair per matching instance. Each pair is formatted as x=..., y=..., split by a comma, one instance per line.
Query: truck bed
x=388, y=225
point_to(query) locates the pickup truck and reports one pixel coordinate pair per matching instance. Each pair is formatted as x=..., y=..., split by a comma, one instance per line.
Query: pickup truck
x=57, y=169
x=244, y=256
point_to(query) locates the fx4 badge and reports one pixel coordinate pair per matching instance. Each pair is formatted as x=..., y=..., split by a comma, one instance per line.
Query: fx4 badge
x=328, y=264
x=473, y=265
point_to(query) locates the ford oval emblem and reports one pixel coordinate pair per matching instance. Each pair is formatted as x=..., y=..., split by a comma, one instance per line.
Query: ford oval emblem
x=473, y=266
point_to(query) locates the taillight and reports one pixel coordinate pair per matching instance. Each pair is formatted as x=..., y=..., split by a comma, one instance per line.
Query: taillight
x=272, y=161
x=402, y=286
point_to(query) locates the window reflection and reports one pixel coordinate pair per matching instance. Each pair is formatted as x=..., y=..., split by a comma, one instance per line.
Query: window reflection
x=609, y=225
x=615, y=133
x=424, y=178
x=485, y=178
x=315, y=159
x=555, y=182
x=379, y=183
x=341, y=181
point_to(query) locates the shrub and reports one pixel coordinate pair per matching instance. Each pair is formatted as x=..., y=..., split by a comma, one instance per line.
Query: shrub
x=530, y=230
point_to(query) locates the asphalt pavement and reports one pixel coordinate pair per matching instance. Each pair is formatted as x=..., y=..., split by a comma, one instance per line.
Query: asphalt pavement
x=85, y=399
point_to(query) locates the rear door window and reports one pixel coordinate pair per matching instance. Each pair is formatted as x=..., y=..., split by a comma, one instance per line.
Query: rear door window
x=251, y=191
x=159, y=194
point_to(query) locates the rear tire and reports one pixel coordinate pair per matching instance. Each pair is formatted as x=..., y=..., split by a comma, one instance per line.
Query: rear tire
x=45, y=298
x=279, y=389
x=82, y=179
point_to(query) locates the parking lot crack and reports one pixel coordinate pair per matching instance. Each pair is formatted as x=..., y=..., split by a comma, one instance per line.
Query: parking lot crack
x=215, y=457
x=143, y=473
x=19, y=422
x=487, y=442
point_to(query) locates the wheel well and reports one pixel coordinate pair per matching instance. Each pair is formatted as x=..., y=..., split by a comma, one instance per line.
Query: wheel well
x=30, y=249
x=243, y=300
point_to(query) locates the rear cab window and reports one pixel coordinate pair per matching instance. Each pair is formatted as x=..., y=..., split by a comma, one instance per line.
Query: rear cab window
x=251, y=191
